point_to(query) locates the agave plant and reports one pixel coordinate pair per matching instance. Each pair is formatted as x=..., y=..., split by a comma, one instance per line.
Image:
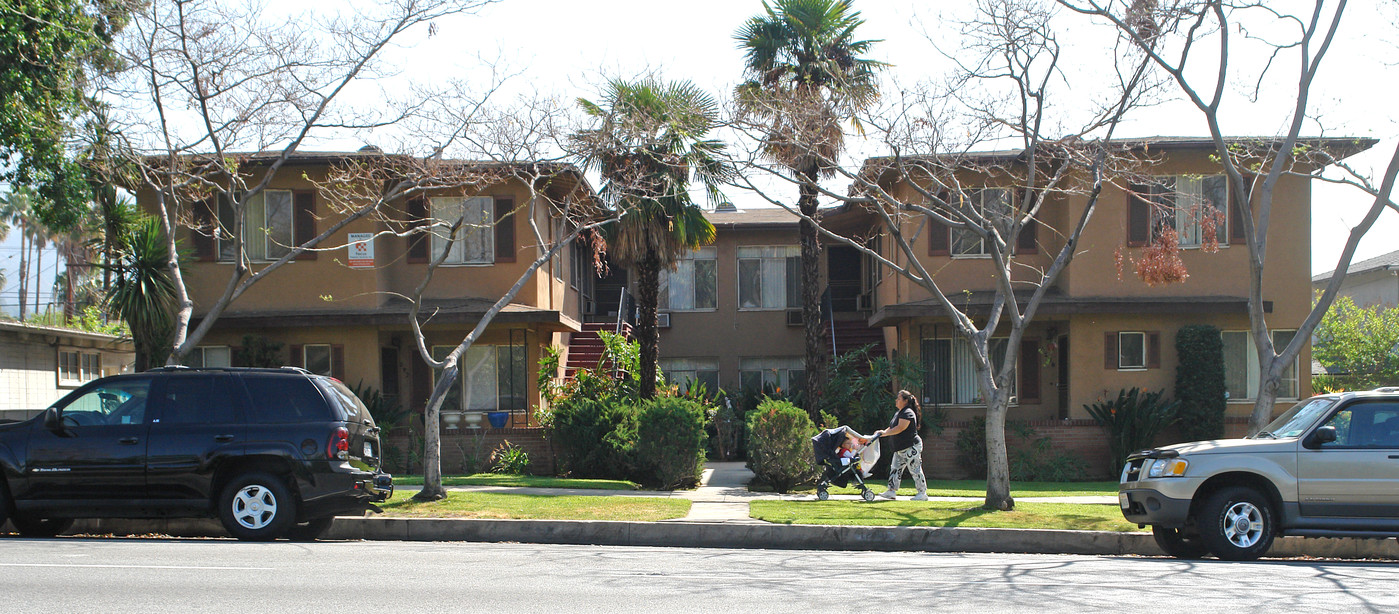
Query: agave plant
x=142, y=293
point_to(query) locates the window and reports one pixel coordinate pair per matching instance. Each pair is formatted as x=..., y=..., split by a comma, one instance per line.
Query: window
x=693, y=285
x=119, y=402
x=267, y=227
x=284, y=399
x=75, y=367
x=209, y=356
x=475, y=242
x=492, y=378
x=769, y=277
x=1241, y=370
x=950, y=370
x=1186, y=202
x=771, y=374
x=199, y=399
x=317, y=359
x=1131, y=350
x=992, y=205
x=1366, y=425
x=686, y=372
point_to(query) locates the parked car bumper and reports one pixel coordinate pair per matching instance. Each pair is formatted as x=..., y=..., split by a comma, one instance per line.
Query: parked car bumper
x=1151, y=506
x=344, y=492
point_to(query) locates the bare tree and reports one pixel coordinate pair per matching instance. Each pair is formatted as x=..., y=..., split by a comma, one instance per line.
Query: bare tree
x=1196, y=44
x=1010, y=89
x=216, y=101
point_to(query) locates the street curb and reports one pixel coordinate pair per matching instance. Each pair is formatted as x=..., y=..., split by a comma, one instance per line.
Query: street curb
x=754, y=535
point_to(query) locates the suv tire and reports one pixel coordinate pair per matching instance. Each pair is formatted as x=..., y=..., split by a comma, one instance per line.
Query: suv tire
x=309, y=531
x=1179, y=544
x=41, y=527
x=257, y=507
x=1237, y=523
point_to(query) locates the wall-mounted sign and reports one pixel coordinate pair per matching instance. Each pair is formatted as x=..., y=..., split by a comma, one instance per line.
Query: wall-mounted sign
x=361, y=250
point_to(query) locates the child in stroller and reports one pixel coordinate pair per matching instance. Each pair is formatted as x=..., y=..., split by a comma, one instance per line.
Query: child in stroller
x=843, y=453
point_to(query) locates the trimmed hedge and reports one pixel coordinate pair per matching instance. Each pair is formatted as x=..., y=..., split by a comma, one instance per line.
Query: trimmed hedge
x=779, y=445
x=1200, y=387
x=671, y=442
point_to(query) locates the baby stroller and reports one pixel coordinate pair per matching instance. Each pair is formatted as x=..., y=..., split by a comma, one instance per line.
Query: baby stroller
x=840, y=471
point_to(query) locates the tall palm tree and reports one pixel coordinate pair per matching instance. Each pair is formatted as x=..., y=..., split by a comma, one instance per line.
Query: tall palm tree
x=804, y=74
x=143, y=294
x=17, y=209
x=648, y=144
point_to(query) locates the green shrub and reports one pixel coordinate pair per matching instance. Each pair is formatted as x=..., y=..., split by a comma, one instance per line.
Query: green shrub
x=779, y=445
x=859, y=388
x=1031, y=458
x=670, y=442
x=509, y=458
x=1200, y=388
x=1132, y=421
x=595, y=437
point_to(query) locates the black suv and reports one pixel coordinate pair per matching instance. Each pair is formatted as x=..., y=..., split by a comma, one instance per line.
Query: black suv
x=270, y=452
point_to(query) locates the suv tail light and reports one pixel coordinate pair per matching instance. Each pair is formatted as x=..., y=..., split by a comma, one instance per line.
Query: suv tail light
x=339, y=445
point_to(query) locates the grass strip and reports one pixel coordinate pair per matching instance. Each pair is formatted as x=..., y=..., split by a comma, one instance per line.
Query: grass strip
x=529, y=481
x=1072, y=516
x=537, y=507
x=977, y=488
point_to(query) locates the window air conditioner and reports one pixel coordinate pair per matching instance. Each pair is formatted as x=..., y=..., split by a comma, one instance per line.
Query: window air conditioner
x=662, y=320
x=794, y=317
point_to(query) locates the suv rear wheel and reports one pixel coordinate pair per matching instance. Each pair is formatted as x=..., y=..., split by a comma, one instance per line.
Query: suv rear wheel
x=309, y=531
x=1178, y=543
x=257, y=507
x=1237, y=524
x=41, y=527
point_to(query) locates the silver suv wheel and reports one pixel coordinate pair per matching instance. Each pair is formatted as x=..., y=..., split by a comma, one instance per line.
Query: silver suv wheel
x=1243, y=524
x=254, y=507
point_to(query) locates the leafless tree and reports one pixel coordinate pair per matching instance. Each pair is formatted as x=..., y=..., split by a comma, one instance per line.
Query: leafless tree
x=1009, y=90
x=215, y=101
x=1199, y=45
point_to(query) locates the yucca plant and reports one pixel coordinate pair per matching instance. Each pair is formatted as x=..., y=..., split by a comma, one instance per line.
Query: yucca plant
x=143, y=294
x=1133, y=420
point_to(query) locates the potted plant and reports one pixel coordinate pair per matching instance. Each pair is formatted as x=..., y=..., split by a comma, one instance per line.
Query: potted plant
x=498, y=419
x=472, y=419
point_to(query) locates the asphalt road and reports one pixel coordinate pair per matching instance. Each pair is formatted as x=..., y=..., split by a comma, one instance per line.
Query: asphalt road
x=159, y=576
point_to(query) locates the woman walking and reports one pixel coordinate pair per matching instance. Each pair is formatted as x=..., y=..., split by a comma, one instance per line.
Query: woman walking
x=902, y=441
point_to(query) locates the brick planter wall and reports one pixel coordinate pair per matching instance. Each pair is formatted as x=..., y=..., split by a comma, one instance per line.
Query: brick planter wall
x=541, y=457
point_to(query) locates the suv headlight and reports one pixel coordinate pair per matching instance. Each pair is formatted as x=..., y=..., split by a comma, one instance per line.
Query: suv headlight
x=1168, y=468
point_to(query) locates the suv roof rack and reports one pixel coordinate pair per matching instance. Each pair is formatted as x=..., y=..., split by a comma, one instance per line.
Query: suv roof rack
x=282, y=369
x=1386, y=389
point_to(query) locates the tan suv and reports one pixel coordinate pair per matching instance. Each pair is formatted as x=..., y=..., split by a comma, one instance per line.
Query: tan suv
x=1328, y=467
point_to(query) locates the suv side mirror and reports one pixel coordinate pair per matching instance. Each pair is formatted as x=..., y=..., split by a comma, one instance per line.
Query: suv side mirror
x=1323, y=435
x=53, y=422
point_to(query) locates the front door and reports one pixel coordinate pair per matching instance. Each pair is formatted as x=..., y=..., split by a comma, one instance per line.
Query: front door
x=100, y=450
x=1356, y=475
x=198, y=420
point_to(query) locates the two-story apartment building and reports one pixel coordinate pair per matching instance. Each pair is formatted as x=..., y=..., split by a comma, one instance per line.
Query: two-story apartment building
x=344, y=311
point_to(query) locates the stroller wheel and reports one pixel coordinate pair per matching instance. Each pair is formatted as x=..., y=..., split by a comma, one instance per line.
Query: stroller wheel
x=822, y=495
x=867, y=495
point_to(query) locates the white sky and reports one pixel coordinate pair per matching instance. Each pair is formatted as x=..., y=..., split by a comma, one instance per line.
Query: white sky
x=566, y=48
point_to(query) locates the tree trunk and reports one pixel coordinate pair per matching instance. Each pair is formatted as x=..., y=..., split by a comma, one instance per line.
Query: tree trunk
x=432, y=435
x=38, y=271
x=997, y=461
x=815, y=359
x=23, y=271
x=648, y=336
x=1267, y=398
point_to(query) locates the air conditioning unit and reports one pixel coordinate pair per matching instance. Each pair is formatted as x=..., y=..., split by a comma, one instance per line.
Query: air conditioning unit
x=662, y=320
x=864, y=302
x=794, y=317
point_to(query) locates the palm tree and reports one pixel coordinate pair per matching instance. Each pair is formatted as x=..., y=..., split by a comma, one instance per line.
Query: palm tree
x=648, y=144
x=804, y=74
x=143, y=294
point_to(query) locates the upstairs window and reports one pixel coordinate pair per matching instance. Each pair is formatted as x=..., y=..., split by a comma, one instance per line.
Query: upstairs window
x=769, y=277
x=693, y=285
x=991, y=205
x=475, y=242
x=267, y=227
x=1187, y=204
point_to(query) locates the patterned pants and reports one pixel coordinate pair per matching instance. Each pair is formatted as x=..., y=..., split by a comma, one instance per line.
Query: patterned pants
x=910, y=458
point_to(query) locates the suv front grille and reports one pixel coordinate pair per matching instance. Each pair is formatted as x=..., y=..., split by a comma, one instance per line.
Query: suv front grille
x=1131, y=472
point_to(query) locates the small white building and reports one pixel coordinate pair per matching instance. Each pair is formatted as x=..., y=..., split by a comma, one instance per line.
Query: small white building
x=40, y=364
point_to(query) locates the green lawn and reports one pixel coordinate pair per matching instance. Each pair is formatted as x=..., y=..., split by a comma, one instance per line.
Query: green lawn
x=532, y=481
x=537, y=507
x=943, y=514
x=977, y=488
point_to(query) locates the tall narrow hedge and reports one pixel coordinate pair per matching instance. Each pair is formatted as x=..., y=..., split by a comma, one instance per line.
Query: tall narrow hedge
x=1200, y=386
x=670, y=440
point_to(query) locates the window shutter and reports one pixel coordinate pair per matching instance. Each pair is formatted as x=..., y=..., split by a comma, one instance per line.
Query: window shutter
x=205, y=246
x=505, y=230
x=337, y=361
x=939, y=238
x=1236, y=223
x=304, y=221
x=1028, y=241
x=1029, y=389
x=1138, y=215
x=1110, y=350
x=235, y=357
x=296, y=356
x=1153, y=350
x=417, y=242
